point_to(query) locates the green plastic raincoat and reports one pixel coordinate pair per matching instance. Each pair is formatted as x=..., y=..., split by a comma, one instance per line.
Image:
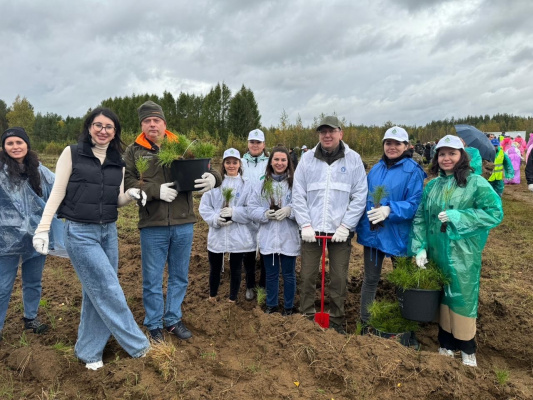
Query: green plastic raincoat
x=472, y=211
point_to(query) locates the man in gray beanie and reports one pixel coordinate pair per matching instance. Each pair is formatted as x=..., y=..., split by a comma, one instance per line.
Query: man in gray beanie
x=166, y=224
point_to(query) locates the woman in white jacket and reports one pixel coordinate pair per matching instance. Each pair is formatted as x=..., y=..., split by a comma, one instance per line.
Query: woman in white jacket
x=278, y=237
x=229, y=225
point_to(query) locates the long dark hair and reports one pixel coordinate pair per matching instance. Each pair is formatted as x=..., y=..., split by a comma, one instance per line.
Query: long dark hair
x=290, y=168
x=30, y=172
x=223, y=169
x=461, y=170
x=116, y=143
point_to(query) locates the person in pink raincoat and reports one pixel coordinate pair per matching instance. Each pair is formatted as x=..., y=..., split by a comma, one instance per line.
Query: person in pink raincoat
x=521, y=142
x=516, y=159
x=506, y=143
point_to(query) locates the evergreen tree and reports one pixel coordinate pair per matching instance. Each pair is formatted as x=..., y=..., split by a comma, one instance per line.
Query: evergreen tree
x=243, y=113
x=3, y=116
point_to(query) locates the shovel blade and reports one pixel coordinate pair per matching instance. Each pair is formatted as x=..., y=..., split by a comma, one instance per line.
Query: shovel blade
x=322, y=319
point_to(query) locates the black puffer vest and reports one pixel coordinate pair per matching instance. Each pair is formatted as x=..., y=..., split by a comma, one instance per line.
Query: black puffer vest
x=93, y=188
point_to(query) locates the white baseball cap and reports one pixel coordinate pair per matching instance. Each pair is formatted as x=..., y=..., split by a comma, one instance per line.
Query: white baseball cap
x=450, y=141
x=256, y=134
x=304, y=147
x=396, y=133
x=231, y=152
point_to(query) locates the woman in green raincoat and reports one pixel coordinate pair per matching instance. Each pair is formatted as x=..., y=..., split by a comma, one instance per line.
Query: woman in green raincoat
x=451, y=227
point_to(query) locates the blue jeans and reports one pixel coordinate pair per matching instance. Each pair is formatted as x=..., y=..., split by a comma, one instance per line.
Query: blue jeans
x=93, y=251
x=160, y=245
x=32, y=273
x=272, y=266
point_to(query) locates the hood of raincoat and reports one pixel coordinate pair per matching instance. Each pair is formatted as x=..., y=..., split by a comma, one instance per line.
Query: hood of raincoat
x=254, y=167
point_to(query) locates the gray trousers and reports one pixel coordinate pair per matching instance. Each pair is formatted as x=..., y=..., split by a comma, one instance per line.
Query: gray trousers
x=339, y=258
x=373, y=259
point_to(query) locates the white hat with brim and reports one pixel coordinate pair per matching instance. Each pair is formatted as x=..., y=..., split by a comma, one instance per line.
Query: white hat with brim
x=304, y=147
x=396, y=133
x=450, y=141
x=231, y=152
x=256, y=134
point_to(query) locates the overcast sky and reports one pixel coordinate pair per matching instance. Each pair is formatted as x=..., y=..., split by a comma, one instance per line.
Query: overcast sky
x=404, y=61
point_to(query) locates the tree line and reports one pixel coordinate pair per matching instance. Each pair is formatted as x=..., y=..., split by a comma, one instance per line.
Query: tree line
x=226, y=119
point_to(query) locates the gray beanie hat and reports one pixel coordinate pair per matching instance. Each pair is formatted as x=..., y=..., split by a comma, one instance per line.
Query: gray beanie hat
x=150, y=109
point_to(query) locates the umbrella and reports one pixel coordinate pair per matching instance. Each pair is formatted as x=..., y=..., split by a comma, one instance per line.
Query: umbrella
x=473, y=137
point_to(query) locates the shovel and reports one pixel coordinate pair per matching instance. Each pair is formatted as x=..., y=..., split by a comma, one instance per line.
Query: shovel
x=322, y=318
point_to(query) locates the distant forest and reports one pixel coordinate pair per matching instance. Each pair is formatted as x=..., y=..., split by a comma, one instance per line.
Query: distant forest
x=225, y=119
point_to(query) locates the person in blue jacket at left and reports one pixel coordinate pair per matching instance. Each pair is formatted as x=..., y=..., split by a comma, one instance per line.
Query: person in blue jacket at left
x=403, y=181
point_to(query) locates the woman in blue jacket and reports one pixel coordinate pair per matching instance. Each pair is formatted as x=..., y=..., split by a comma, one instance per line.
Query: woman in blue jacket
x=403, y=181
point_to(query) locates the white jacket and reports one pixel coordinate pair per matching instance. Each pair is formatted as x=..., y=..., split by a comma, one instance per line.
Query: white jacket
x=326, y=196
x=275, y=237
x=237, y=237
x=253, y=168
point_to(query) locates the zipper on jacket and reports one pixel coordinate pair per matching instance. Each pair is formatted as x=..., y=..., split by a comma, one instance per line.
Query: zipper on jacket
x=326, y=199
x=101, y=191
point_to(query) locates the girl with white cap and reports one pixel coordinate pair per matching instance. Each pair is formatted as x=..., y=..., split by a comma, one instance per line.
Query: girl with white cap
x=451, y=227
x=230, y=228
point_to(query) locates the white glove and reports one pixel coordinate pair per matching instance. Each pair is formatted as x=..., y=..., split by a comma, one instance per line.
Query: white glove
x=222, y=222
x=134, y=195
x=226, y=212
x=207, y=182
x=308, y=234
x=530, y=187
x=376, y=215
x=282, y=213
x=40, y=242
x=443, y=217
x=341, y=234
x=270, y=214
x=166, y=193
x=421, y=259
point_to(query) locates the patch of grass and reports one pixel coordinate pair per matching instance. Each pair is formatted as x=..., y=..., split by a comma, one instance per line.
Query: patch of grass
x=502, y=376
x=211, y=354
x=261, y=296
x=23, y=341
x=386, y=317
x=6, y=387
x=162, y=354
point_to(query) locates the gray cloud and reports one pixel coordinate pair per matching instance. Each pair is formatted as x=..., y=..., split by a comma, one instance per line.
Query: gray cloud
x=406, y=61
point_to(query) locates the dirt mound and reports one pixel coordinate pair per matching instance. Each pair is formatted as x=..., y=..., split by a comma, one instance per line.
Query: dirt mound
x=238, y=352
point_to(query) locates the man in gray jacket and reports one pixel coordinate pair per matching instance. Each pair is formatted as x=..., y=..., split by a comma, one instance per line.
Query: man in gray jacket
x=329, y=197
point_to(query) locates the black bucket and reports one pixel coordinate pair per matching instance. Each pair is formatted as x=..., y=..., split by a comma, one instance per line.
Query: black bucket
x=419, y=304
x=185, y=172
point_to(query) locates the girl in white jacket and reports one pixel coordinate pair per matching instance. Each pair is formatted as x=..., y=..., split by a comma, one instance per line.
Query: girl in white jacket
x=229, y=225
x=279, y=241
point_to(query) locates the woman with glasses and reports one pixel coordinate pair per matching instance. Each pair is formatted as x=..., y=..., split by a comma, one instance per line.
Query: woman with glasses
x=89, y=188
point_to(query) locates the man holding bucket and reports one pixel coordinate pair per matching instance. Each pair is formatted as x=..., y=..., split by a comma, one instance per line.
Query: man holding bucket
x=329, y=197
x=166, y=224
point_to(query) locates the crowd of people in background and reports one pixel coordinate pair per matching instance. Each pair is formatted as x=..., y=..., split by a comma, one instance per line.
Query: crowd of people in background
x=263, y=211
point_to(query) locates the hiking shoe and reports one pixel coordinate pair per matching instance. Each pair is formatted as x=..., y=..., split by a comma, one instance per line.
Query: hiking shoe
x=180, y=330
x=469, y=359
x=271, y=310
x=157, y=335
x=288, y=311
x=35, y=325
x=338, y=328
x=250, y=294
x=446, y=352
x=413, y=342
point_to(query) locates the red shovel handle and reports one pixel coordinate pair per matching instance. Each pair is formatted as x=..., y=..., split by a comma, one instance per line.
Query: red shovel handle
x=323, y=270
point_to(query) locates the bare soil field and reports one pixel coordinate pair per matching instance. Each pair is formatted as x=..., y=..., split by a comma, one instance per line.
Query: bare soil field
x=238, y=352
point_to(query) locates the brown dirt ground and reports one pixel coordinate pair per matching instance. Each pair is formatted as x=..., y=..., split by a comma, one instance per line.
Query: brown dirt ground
x=238, y=352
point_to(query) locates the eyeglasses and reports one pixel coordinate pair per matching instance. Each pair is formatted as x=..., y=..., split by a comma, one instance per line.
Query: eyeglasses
x=324, y=132
x=108, y=128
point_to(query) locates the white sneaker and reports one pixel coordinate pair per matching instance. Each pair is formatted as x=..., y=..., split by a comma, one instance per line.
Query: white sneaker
x=469, y=359
x=446, y=352
x=250, y=294
x=95, y=365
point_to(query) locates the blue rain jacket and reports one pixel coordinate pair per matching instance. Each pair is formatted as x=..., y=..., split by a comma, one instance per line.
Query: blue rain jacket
x=20, y=213
x=404, y=183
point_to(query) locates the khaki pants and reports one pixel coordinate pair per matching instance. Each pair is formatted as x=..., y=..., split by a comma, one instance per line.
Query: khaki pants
x=339, y=258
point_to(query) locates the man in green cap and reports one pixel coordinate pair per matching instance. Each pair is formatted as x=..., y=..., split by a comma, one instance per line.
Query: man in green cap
x=166, y=224
x=329, y=197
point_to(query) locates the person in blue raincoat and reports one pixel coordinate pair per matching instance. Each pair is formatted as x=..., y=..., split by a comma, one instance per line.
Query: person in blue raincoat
x=25, y=185
x=403, y=181
x=451, y=227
